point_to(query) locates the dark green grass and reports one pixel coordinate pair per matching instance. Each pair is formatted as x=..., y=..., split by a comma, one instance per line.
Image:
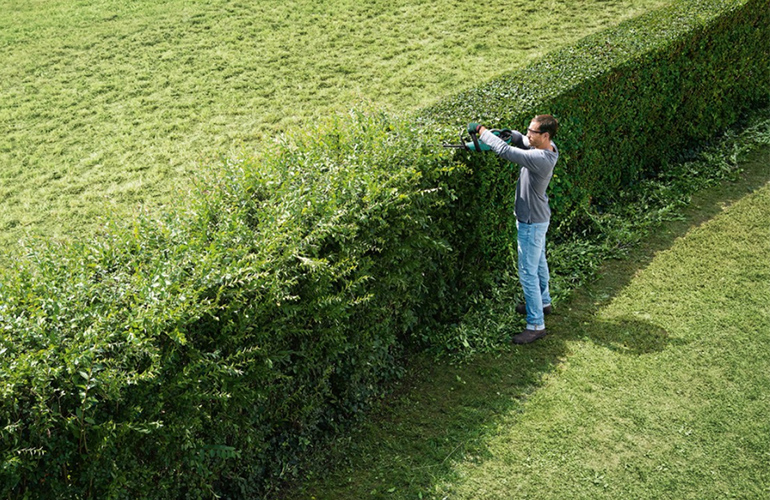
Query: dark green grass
x=109, y=106
x=652, y=383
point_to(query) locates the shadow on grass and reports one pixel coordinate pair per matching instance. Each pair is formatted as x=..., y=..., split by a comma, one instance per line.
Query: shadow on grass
x=627, y=336
x=444, y=412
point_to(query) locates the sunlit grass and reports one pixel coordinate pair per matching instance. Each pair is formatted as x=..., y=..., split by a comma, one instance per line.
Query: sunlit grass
x=661, y=393
x=110, y=105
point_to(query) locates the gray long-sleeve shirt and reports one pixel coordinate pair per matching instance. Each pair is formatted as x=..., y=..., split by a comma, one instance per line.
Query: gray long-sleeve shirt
x=531, y=204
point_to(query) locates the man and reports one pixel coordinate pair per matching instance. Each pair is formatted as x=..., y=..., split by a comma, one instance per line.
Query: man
x=536, y=154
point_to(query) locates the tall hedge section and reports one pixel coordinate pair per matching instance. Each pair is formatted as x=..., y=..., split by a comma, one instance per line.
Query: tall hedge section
x=628, y=100
x=203, y=352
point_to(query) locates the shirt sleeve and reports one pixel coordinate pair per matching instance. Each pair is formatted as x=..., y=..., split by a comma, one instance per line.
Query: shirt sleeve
x=534, y=160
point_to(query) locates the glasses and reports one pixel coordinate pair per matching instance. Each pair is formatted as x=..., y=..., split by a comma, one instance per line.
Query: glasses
x=535, y=131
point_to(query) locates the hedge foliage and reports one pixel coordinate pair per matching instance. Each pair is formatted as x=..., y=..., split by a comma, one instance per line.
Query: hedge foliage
x=628, y=100
x=204, y=351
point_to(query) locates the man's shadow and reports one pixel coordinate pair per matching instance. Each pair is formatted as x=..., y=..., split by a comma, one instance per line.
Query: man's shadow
x=626, y=335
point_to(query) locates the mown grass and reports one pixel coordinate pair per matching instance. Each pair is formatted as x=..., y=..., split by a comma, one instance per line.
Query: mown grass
x=660, y=391
x=652, y=383
x=106, y=106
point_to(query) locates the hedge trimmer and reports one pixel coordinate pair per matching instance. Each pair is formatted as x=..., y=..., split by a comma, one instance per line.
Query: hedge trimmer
x=473, y=143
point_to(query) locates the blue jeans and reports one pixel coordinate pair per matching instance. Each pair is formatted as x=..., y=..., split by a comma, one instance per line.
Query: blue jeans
x=533, y=270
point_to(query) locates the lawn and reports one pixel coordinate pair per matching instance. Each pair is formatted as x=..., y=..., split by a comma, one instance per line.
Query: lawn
x=110, y=106
x=652, y=383
x=661, y=392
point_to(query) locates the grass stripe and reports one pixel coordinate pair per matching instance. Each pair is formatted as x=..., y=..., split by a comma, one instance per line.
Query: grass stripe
x=669, y=400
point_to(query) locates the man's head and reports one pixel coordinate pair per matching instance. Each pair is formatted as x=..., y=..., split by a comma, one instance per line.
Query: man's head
x=541, y=130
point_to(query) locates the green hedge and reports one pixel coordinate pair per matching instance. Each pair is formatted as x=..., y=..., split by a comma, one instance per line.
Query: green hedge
x=628, y=100
x=205, y=351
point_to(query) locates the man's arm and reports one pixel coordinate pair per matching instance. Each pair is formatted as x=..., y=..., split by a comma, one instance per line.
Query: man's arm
x=518, y=139
x=531, y=159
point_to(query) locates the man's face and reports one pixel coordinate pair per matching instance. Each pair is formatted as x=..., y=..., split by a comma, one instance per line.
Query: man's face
x=536, y=139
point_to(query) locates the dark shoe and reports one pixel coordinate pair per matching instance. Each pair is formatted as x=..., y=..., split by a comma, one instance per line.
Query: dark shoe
x=522, y=309
x=528, y=336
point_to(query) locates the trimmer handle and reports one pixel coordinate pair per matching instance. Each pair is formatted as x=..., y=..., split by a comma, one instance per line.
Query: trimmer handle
x=475, y=145
x=504, y=134
x=475, y=139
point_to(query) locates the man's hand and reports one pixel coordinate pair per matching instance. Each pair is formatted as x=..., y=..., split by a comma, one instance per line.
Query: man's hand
x=474, y=128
